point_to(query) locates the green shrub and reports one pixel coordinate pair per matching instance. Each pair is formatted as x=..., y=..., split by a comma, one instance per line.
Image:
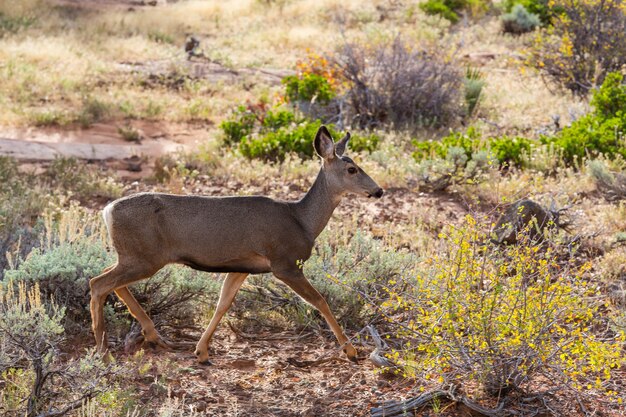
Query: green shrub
x=262, y=133
x=452, y=9
x=275, y=145
x=519, y=20
x=600, y=132
x=239, y=126
x=590, y=136
x=308, y=87
x=441, y=8
x=610, y=98
x=275, y=120
x=63, y=272
x=511, y=151
x=505, y=149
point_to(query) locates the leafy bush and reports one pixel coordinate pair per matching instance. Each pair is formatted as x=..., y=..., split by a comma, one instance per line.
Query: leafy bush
x=610, y=98
x=600, y=132
x=456, y=167
x=442, y=8
x=451, y=9
x=519, y=20
x=259, y=132
x=511, y=320
x=505, y=149
x=239, y=126
x=511, y=151
x=274, y=145
x=395, y=84
x=308, y=87
x=585, y=43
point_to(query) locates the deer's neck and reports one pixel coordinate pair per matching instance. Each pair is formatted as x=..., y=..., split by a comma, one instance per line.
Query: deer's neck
x=317, y=206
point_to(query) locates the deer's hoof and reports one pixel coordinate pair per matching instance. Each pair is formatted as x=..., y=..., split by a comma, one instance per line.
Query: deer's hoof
x=157, y=344
x=351, y=353
x=203, y=357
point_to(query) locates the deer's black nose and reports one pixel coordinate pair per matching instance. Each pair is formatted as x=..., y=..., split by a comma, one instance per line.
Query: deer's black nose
x=379, y=193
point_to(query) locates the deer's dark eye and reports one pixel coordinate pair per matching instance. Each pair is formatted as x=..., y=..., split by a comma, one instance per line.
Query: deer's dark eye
x=353, y=170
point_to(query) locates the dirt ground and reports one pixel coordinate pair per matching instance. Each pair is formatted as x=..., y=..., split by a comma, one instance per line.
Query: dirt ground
x=253, y=375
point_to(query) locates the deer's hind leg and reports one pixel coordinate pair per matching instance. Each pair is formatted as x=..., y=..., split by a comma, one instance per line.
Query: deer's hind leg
x=151, y=336
x=113, y=278
x=230, y=287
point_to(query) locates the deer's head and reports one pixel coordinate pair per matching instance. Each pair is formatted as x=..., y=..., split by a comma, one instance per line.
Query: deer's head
x=342, y=173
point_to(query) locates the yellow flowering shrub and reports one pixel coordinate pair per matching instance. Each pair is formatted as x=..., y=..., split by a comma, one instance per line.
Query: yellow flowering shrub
x=503, y=317
x=586, y=41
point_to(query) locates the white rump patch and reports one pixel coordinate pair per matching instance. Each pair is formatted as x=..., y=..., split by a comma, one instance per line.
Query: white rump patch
x=107, y=214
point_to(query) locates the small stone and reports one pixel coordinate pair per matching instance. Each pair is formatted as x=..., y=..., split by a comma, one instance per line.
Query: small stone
x=157, y=389
x=201, y=406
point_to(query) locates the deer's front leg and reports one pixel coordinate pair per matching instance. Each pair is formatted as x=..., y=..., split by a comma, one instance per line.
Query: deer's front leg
x=230, y=287
x=296, y=280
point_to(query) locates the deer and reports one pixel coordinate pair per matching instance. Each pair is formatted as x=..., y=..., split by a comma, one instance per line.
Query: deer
x=237, y=235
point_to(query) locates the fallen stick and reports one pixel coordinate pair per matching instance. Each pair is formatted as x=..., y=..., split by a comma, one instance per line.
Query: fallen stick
x=245, y=335
x=403, y=408
x=306, y=364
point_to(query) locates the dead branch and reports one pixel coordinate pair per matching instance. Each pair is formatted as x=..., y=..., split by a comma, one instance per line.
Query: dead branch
x=244, y=335
x=307, y=364
x=401, y=408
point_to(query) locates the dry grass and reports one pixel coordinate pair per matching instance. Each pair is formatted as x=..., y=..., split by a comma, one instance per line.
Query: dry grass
x=70, y=51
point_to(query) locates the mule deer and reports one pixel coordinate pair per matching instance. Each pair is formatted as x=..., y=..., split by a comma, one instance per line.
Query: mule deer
x=238, y=235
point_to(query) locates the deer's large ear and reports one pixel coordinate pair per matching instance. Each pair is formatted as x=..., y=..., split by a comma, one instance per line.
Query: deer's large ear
x=324, y=145
x=340, y=147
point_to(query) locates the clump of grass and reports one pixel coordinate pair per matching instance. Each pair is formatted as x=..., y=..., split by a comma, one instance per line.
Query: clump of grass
x=93, y=111
x=50, y=117
x=519, y=21
x=129, y=133
x=474, y=82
